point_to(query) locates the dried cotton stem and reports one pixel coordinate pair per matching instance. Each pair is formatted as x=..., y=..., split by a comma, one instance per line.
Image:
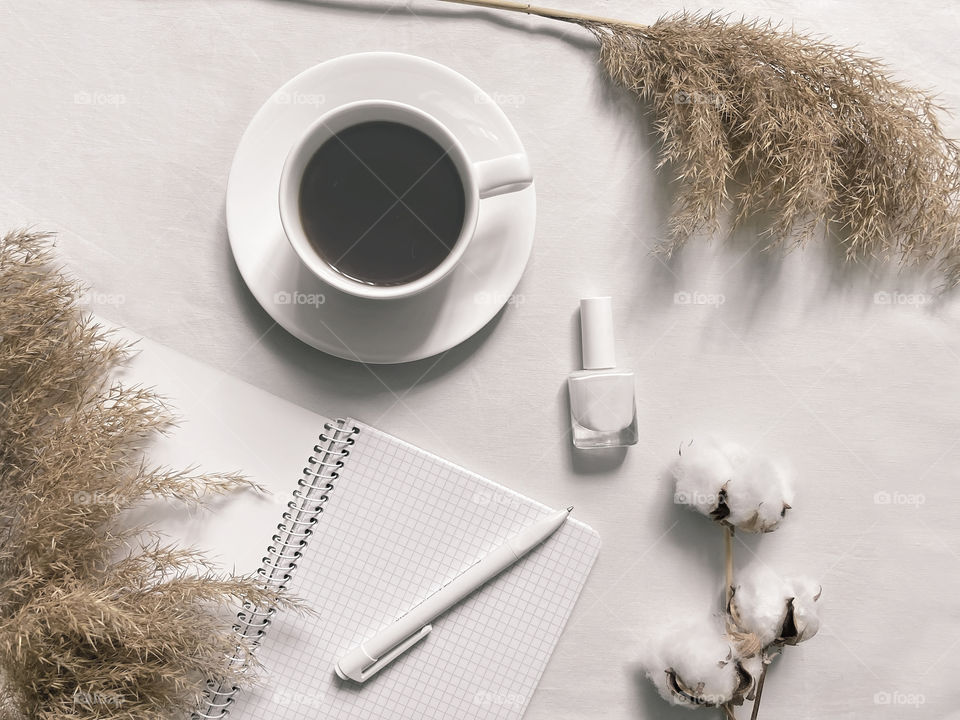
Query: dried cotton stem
x=728, y=563
x=759, y=692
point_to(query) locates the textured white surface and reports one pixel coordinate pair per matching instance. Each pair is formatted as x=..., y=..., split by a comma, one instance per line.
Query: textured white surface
x=119, y=122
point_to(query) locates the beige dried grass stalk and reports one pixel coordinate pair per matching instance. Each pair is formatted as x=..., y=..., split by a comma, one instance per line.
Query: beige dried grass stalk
x=792, y=130
x=96, y=620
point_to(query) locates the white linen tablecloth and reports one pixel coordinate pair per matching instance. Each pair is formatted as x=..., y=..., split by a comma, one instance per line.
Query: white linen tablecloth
x=119, y=121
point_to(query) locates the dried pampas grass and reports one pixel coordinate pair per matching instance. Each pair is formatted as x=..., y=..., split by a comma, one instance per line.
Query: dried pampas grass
x=787, y=128
x=97, y=621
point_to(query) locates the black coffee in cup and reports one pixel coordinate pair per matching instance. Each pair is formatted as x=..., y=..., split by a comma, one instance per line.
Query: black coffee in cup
x=382, y=203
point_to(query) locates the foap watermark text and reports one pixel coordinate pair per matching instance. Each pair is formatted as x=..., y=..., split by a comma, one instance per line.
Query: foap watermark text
x=283, y=297
x=696, y=297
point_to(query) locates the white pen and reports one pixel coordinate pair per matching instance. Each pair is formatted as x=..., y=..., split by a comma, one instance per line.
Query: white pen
x=372, y=655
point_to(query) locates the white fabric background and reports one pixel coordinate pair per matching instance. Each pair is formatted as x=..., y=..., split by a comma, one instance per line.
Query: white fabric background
x=800, y=360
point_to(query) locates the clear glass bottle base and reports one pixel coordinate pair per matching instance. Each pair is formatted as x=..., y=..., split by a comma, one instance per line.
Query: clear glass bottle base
x=586, y=438
x=603, y=412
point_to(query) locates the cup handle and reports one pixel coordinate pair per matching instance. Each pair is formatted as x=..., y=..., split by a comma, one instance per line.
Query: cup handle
x=508, y=173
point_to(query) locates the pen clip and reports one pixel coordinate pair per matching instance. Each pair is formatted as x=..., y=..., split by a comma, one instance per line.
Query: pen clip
x=394, y=653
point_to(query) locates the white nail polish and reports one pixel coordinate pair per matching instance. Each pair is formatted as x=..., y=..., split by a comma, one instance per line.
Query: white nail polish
x=602, y=406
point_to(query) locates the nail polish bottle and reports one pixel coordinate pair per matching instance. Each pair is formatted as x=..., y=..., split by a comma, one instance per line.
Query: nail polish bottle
x=602, y=406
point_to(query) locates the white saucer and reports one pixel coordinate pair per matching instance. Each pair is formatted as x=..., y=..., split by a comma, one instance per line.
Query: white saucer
x=376, y=331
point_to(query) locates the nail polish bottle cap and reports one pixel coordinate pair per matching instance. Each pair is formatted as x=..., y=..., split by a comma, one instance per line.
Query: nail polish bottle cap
x=596, y=333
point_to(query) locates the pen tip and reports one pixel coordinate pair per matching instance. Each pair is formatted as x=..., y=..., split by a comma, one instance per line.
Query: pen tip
x=570, y=509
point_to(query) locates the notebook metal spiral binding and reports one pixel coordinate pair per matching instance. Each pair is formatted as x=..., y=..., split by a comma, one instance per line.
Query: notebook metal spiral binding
x=292, y=536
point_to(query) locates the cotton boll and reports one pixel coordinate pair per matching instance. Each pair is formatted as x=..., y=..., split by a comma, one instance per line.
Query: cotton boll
x=737, y=454
x=753, y=667
x=758, y=495
x=694, y=666
x=774, y=609
x=805, y=611
x=700, y=474
x=727, y=483
x=759, y=603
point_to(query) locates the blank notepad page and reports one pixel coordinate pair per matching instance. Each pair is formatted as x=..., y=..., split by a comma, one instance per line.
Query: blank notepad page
x=399, y=524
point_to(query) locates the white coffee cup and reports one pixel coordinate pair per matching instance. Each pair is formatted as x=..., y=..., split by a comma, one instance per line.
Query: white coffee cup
x=480, y=179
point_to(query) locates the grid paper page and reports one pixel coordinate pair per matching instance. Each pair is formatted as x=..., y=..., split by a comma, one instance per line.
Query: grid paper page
x=399, y=524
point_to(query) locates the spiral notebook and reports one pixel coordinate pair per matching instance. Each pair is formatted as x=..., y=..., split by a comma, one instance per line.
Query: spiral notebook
x=374, y=526
x=383, y=524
